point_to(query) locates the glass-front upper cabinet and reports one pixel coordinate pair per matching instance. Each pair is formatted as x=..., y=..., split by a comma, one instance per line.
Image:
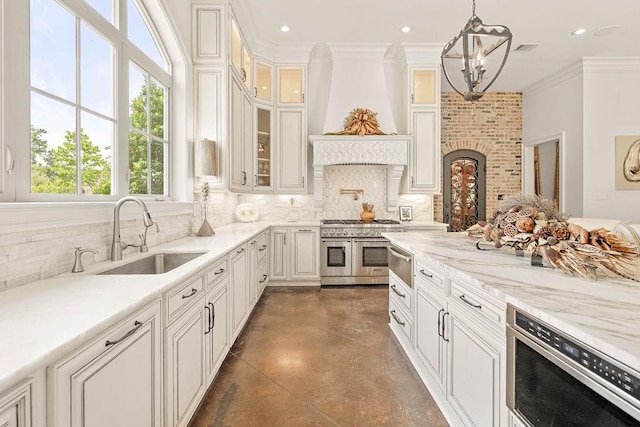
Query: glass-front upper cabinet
x=264, y=154
x=236, y=47
x=264, y=82
x=245, y=73
x=291, y=85
x=424, y=86
x=240, y=58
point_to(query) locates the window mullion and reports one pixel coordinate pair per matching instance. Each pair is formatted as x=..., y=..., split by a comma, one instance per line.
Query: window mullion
x=149, y=134
x=78, y=108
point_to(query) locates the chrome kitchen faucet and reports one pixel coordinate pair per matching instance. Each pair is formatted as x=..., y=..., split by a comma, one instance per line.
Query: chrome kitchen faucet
x=116, y=245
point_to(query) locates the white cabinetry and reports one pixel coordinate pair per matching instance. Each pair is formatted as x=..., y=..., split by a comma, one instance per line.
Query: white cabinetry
x=455, y=339
x=239, y=289
x=423, y=122
x=207, y=41
x=114, y=380
x=217, y=333
x=15, y=407
x=291, y=151
x=295, y=254
x=185, y=365
x=209, y=117
x=240, y=137
x=473, y=386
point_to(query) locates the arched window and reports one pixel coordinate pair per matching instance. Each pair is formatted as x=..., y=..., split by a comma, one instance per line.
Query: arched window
x=100, y=83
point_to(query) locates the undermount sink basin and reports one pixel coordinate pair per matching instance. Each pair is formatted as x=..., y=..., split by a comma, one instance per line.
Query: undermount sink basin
x=155, y=264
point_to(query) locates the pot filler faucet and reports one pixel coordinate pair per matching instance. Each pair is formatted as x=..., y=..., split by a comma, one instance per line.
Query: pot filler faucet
x=116, y=245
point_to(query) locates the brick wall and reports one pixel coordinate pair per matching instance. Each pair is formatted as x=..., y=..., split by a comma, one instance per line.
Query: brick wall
x=494, y=128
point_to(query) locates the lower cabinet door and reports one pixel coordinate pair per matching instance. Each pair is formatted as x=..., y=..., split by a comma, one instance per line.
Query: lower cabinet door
x=239, y=288
x=430, y=347
x=113, y=381
x=185, y=365
x=217, y=341
x=474, y=373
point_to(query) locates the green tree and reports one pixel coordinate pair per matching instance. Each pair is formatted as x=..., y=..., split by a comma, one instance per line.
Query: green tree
x=56, y=174
x=141, y=139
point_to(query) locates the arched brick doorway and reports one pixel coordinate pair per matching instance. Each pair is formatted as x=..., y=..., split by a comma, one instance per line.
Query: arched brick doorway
x=464, y=188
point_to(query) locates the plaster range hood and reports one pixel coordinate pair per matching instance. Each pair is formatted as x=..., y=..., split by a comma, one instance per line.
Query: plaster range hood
x=389, y=150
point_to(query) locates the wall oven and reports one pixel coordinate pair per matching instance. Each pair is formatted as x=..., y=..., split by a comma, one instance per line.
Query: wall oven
x=555, y=380
x=354, y=253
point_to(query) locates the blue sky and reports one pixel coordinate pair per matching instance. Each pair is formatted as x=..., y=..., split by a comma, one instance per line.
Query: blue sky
x=53, y=69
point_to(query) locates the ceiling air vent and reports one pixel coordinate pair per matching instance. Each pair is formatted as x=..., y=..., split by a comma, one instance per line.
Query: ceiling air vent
x=526, y=47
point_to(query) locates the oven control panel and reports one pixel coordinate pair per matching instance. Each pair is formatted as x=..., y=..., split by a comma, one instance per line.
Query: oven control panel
x=606, y=368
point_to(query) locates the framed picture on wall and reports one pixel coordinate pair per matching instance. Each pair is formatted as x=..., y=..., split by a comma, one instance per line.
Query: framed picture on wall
x=406, y=213
x=627, y=168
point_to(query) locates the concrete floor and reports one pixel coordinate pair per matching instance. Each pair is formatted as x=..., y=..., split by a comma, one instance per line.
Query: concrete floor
x=310, y=357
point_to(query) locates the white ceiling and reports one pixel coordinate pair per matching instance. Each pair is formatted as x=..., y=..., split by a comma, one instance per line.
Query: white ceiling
x=547, y=22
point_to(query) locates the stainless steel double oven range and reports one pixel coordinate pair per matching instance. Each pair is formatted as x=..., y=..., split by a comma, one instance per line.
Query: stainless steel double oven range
x=355, y=253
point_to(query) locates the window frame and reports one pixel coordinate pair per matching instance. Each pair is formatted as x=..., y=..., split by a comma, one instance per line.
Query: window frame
x=125, y=52
x=19, y=209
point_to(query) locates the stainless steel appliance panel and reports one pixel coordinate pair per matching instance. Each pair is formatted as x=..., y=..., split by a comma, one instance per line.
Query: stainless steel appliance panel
x=401, y=263
x=555, y=380
x=335, y=257
x=370, y=257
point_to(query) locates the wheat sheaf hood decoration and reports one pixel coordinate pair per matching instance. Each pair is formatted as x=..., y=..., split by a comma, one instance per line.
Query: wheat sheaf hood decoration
x=361, y=122
x=534, y=224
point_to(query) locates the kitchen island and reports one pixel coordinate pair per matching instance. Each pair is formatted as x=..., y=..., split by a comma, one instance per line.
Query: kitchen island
x=452, y=276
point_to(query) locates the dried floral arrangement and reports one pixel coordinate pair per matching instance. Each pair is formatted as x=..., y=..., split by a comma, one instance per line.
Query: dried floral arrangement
x=534, y=224
x=360, y=121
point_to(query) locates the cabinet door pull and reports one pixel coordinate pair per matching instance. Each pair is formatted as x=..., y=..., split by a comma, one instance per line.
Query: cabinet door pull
x=463, y=298
x=440, y=322
x=244, y=178
x=136, y=325
x=239, y=251
x=213, y=315
x=264, y=278
x=395, y=317
x=412, y=97
x=425, y=273
x=219, y=271
x=193, y=292
x=255, y=180
x=394, y=289
x=262, y=248
x=444, y=324
x=304, y=229
x=254, y=242
x=206, y=307
x=255, y=92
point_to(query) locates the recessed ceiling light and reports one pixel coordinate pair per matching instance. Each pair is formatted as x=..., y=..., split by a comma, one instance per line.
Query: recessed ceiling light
x=285, y=29
x=578, y=31
x=405, y=29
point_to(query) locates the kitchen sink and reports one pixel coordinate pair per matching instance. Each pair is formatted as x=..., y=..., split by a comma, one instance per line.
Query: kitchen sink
x=155, y=264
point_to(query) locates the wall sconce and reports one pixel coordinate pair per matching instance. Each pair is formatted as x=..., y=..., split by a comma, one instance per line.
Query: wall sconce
x=206, y=158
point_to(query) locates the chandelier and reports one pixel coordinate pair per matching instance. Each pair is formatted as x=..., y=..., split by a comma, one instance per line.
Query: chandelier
x=473, y=46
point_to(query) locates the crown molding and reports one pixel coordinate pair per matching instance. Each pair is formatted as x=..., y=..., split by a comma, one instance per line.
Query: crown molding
x=608, y=65
x=573, y=70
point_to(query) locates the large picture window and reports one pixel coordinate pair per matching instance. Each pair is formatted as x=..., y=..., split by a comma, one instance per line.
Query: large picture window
x=82, y=143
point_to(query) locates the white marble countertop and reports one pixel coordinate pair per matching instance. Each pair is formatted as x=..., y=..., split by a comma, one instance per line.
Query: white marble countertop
x=43, y=320
x=604, y=314
x=425, y=224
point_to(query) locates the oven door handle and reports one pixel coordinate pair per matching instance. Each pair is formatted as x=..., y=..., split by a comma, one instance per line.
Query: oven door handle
x=400, y=256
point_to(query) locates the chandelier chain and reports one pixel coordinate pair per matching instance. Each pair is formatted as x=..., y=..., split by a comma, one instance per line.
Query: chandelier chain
x=473, y=10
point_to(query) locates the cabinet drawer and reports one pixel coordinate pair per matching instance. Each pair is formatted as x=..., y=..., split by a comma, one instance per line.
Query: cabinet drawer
x=217, y=271
x=182, y=296
x=428, y=274
x=402, y=293
x=400, y=322
x=475, y=302
x=262, y=246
